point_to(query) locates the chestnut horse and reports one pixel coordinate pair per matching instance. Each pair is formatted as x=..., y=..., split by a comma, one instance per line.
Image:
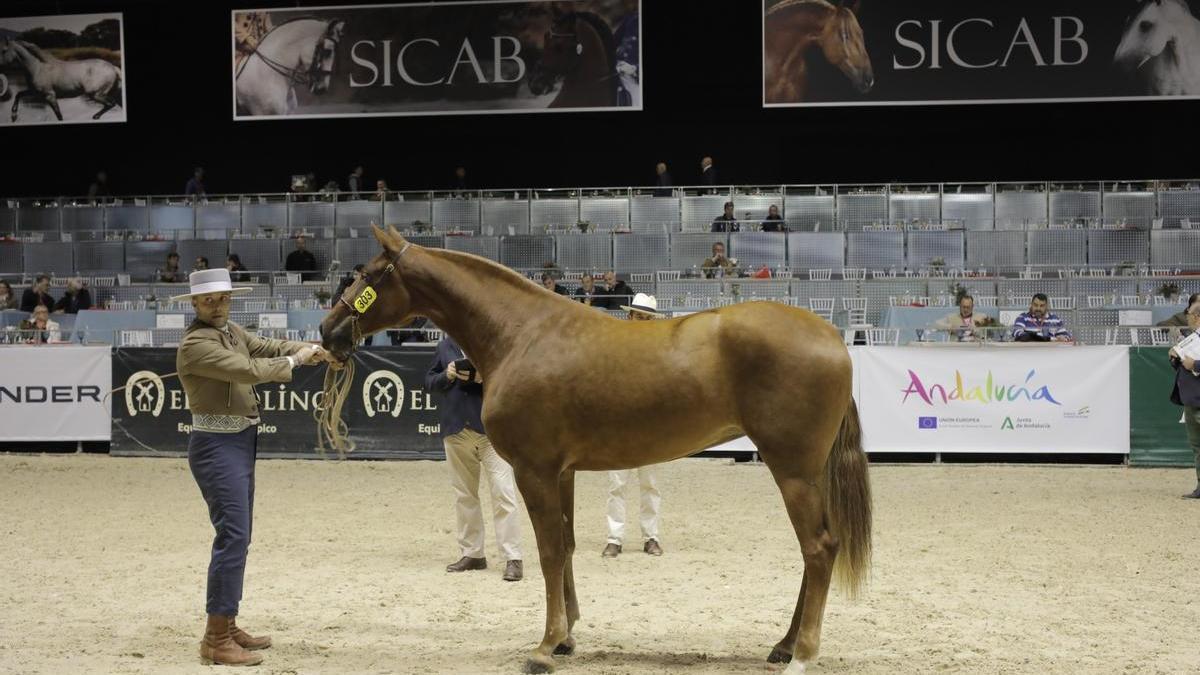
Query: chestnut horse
x=777, y=374
x=792, y=29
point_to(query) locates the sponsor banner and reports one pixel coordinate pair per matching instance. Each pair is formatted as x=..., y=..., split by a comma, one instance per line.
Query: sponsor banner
x=1017, y=400
x=389, y=413
x=436, y=59
x=1157, y=436
x=65, y=69
x=978, y=51
x=54, y=393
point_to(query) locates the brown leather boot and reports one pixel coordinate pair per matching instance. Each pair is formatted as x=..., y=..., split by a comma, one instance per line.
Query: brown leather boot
x=246, y=640
x=218, y=646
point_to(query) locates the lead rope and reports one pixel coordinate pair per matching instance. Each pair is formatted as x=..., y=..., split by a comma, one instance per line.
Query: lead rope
x=332, y=431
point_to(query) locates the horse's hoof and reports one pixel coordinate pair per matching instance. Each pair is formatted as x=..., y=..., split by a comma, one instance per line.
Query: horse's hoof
x=565, y=648
x=779, y=656
x=533, y=665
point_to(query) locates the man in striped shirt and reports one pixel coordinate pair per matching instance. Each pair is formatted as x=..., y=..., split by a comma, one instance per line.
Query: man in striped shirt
x=1039, y=325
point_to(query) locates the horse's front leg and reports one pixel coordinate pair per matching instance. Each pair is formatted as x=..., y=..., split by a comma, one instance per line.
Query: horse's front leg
x=17, y=101
x=566, y=493
x=540, y=488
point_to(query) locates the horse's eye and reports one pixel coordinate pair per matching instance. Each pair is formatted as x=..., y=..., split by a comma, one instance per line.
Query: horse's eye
x=1146, y=26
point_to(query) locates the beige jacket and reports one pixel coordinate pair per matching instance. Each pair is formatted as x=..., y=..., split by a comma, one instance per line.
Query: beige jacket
x=218, y=370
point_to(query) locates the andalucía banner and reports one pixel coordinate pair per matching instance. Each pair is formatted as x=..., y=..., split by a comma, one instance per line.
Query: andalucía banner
x=872, y=52
x=437, y=58
x=1058, y=399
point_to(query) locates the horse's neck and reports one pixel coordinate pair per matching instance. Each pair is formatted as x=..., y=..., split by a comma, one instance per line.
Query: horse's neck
x=476, y=305
x=293, y=47
x=29, y=62
x=1187, y=49
x=591, y=69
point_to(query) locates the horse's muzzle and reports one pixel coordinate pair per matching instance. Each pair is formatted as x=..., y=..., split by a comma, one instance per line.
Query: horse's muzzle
x=337, y=339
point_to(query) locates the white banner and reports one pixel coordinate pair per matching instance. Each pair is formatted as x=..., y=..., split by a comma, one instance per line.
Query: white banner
x=55, y=393
x=1052, y=399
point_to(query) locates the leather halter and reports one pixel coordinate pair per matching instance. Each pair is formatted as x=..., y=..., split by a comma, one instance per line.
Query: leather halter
x=391, y=267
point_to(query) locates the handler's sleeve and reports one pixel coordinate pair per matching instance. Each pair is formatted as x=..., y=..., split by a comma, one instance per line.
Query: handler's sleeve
x=207, y=358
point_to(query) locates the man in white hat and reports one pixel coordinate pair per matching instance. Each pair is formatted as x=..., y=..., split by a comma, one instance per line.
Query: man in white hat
x=643, y=308
x=219, y=363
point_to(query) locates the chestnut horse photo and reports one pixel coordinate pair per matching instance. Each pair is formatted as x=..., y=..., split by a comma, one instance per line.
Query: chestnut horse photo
x=795, y=31
x=777, y=374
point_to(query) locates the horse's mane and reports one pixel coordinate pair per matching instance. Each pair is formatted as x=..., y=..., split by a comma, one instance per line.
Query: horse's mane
x=38, y=52
x=784, y=4
x=480, y=265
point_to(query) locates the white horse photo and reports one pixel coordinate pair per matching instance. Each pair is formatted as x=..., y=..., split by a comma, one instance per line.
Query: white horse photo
x=51, y=78
x=1160, y=49
x=301, y=52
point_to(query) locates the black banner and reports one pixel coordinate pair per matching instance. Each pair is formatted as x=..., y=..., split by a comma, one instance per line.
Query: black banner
x=388, y=411
x=977, y=51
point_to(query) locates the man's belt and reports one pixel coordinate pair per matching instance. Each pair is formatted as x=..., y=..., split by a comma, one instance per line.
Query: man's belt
x=222, y=424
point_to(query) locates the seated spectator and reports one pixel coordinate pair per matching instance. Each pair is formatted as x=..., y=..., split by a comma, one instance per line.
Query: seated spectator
x=773, y=222
x=75, y=299
x=42, y=329
x=200, y=264
x=37, y=294
x=590, y=294
x=1038, y=324
x=1179, y=319
x=171, y=274
x=726, y=222
x=616, y=291
x=963, y=323
x=718, y=265
x=8, y=299
x=301, y=260
x=195, y=184
x=550, y=283
x=348, y=280
x=237, y=271
x=381, y=191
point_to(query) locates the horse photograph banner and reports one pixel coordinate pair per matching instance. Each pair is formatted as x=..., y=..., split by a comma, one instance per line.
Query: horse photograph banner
x=994, y=399
x=868, y=52
x=66, y=69
x=55, y=393
x=436, y=59
x=389, y=413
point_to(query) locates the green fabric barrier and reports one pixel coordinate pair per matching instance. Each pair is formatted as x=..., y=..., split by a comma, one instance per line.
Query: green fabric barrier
x=1156, y=436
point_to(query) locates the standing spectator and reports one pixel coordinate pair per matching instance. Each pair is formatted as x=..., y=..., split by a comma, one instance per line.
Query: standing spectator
x=726, y=222
x=301, y=260
x=550, y=283
x=588, y=293
x=237, y=271
x=171, y=274
x=8, y=299
x=773, y=222
x=459, y=185
x=1187, y=394
x=1039, y=325
x=201, y=264
x=42, y=329
x=617, y=292
x=355, y=184
x=468, y=451
x=195, y=185
x=718, y=265
x=98, y=190
x=642, y=308
x=381, y=191
x=37, y=294
x=708, y=172
x=75, y=299
x=662, y=180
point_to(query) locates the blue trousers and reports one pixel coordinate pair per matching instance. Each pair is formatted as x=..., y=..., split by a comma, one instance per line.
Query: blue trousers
x=223, y=466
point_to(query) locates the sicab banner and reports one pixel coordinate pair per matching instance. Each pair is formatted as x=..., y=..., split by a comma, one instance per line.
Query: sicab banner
x=62, y=69
x=444, y=58
x=389, y=413
x=876, y=52
x=1059, y=399
x=57, y=393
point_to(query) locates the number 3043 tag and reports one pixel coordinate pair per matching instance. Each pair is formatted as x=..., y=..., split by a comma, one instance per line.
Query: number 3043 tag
x=364, y=299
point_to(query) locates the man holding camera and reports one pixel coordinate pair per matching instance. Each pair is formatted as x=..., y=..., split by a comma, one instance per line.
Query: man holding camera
x=468, y=451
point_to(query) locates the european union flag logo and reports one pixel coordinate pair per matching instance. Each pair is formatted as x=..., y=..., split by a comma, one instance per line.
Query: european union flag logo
x=926, y=422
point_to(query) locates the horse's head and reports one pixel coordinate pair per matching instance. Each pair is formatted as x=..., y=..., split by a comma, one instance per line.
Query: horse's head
x=843, y=45
x=8, y=53
x=376, y=300
x=1149, y=31
x=561, y=53
x=320, y=66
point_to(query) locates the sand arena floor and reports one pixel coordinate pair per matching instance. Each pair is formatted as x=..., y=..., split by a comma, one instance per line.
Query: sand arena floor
x=977, y=569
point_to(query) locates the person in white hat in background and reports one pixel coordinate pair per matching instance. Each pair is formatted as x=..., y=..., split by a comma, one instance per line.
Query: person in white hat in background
x=643, y=308
x=219, y=363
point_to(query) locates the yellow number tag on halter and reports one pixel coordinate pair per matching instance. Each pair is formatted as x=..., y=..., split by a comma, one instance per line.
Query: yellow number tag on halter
x=364, y=299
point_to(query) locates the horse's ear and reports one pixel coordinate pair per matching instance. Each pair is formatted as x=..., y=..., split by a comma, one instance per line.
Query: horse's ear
x=396, y=236
x=382, y=237
x=338, y=29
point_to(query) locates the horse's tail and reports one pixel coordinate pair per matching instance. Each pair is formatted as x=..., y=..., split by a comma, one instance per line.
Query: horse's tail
x=848, y=503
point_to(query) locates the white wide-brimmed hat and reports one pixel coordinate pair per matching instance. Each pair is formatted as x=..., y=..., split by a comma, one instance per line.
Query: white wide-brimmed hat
x=646, y=304
x=204, y=282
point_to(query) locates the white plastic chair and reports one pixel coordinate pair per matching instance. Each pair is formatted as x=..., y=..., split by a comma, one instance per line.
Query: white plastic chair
x=822, y=307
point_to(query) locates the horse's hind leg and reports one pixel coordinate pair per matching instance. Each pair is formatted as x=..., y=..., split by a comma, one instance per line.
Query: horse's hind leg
x=567, y=498
x=782, y=652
